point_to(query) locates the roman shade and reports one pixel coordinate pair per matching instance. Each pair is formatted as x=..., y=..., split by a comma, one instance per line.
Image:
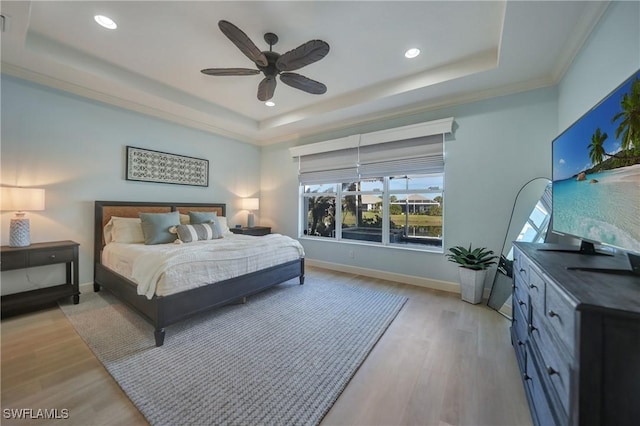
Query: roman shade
x=411, y=156
x=413, y=149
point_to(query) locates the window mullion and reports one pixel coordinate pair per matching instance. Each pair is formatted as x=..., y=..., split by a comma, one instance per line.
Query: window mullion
x=338, y=217
x=386, y=215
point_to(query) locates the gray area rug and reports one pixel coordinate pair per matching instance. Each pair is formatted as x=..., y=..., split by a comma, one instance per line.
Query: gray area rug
x=284, y=357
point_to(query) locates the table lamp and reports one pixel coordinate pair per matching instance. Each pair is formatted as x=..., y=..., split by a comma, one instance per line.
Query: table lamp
x=20, y=200
x=250, y=204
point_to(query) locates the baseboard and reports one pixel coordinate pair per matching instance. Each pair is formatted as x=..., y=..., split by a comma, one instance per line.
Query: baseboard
x=86, y=287
x=390, y=276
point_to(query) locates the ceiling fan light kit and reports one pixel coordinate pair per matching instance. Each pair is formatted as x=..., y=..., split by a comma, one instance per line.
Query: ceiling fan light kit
x=272, y=64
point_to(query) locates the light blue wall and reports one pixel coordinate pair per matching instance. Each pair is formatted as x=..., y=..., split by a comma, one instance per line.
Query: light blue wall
x=609, y=56
x=497, y=146
x=75, y=149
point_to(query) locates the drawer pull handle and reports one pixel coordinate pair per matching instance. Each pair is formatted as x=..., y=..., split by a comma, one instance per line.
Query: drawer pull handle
x=533, y=286
x=522, y=270
x=53, y=256
x=532, y=328
x=513, y=287
x=551, y=371
x=552, y=314
x=520, y=302
x=525, y=376
x=520, y=342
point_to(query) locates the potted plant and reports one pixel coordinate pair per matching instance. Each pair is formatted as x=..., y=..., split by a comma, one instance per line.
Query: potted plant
x=473, y=270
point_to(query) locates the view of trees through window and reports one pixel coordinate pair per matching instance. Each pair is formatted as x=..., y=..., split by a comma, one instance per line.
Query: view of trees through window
x=399, y=210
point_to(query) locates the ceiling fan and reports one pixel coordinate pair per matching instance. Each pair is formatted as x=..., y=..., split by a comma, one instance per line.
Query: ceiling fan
x=272, y=64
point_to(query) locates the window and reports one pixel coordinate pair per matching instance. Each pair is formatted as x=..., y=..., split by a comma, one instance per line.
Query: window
x=401, y=211
x=384, y=187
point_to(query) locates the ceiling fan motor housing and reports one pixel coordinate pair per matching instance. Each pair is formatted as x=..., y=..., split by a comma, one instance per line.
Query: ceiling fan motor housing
x=270, y=71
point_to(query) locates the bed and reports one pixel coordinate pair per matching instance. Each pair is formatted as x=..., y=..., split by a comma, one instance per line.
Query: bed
x=166, y=309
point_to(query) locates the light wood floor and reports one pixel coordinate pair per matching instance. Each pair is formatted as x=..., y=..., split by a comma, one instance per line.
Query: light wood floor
x=441, y=362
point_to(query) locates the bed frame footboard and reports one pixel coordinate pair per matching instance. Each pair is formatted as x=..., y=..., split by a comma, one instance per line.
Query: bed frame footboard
x=162, y=311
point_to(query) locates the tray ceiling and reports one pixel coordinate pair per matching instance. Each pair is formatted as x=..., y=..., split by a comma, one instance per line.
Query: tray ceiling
x=151, y=63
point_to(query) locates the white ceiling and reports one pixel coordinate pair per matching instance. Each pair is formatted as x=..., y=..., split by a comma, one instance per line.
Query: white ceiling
x=151, y=63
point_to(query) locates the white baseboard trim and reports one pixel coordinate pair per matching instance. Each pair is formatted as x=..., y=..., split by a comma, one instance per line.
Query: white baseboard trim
x=390, y=276
x=86, y=287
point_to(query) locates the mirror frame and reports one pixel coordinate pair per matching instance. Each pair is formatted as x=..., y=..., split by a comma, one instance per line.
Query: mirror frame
x=503, y=281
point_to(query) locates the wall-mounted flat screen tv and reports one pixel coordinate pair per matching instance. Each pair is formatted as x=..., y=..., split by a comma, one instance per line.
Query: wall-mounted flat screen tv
x=596, y=172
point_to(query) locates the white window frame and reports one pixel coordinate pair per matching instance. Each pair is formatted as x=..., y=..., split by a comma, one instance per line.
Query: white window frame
x=386, y=192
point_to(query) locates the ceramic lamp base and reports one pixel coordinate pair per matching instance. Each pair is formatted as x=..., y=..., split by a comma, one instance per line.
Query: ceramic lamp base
x=250, y=220
x=19, y=233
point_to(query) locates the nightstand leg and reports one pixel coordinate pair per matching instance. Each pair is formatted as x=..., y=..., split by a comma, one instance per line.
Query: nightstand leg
x=96, y=287
x=76, y=299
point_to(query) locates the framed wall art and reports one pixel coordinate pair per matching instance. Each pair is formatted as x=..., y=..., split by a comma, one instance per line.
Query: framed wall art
x=145, y=165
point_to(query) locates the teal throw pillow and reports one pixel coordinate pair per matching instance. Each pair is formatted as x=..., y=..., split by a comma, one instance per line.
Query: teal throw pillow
x=155, y=227
x=202, y=217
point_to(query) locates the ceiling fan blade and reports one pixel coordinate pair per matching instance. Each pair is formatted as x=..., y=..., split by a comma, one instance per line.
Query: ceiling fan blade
x=305, y=54
x=303, y=83
x=229, y=71
x=266, y=88
x=243, y=42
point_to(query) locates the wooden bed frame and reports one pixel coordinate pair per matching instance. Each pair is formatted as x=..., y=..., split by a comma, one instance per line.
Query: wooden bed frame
x=163, y=311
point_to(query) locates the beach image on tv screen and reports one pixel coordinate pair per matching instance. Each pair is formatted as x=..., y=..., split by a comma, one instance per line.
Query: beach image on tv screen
x=596, y=172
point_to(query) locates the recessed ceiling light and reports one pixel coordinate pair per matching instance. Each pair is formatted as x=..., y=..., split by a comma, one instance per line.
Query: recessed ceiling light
x=270, y=103
x=412, y=53
x=106, y=22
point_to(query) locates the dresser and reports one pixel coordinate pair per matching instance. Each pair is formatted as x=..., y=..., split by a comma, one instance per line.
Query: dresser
x=41, y=254
x=576, y=337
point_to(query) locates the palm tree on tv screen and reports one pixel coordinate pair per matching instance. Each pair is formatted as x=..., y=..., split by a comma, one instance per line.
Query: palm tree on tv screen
x=596, y=147
x=629, y=127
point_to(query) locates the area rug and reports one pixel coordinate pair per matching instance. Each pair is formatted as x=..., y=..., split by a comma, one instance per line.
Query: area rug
x=284, y=357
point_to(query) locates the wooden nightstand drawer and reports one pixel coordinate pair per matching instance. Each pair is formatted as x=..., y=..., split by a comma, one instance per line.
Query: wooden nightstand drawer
x=50, y=257
x=15, y=260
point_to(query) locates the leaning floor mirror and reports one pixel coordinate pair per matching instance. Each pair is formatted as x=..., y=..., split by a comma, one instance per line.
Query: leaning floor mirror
x=529, y=221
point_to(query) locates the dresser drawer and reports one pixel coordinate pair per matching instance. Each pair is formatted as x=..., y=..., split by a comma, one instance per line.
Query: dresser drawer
x=520, y=266
x=537, y=287
x=519, y=334
x=47, y=257
x=553, y=361
x=560, y=315
x=16, y=260
x=519, y=347
x=520, y=294
x=543, y=413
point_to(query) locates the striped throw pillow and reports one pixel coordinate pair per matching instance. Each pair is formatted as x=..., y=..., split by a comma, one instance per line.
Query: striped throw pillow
x=197, y=232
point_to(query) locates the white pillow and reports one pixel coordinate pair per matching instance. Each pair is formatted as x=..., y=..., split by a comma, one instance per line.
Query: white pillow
x=125, y=230
x=223, y=225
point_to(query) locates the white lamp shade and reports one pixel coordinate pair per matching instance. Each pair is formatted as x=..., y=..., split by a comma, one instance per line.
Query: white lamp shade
x=22, y=199
x=250, y=203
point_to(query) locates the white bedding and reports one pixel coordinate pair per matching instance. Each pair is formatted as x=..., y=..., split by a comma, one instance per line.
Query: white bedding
x=166, y=269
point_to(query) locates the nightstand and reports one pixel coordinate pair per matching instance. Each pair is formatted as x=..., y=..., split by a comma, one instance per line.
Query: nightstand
x=41, y=254
x=256, y=230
